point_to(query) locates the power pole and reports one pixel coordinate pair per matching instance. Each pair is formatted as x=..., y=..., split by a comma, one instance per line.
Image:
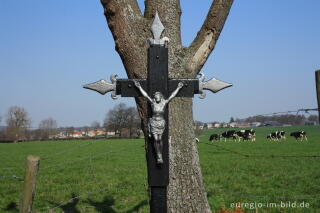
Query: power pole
x=318, y=91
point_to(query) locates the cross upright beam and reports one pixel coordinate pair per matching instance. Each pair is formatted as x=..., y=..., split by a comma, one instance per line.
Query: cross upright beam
x=158, y=174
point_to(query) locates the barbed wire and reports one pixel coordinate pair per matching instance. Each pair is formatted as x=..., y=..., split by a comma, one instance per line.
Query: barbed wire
x=88, y=157
x=87, y=194
x=12, y=176
x=207, y=189
x=260, y=155
x=11, y=168
x=65, y=151
x=50, y=156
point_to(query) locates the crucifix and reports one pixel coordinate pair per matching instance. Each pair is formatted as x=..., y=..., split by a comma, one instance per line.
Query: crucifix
x=159, y=91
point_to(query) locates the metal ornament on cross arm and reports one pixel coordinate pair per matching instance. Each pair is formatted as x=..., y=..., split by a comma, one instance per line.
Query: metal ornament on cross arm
x=214, y=85
x=103, y=86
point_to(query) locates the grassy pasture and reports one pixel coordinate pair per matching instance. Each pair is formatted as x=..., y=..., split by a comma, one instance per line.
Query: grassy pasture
x=115, y=172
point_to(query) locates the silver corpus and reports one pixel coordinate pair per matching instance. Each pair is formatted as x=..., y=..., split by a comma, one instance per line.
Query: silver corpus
x=103, y=86
x=157, y=28
x=214, y=85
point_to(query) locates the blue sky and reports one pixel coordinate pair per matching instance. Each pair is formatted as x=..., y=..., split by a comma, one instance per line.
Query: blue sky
x=269, y=50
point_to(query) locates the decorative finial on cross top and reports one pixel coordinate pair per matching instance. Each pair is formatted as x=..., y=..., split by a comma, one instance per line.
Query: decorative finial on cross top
x=157, y=28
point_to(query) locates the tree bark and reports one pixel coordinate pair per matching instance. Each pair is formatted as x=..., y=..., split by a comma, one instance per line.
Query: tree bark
x=130, y=29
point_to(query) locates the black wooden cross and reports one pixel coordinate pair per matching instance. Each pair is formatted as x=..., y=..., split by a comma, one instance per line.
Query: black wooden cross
x=157, y=82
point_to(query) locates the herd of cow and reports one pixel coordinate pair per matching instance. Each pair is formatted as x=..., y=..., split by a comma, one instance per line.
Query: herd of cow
x=250, y=135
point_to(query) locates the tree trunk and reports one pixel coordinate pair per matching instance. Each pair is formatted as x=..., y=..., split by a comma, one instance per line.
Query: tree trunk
x=130, y=29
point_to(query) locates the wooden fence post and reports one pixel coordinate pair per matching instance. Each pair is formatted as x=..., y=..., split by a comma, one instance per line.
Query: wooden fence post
x=29, y=186
x=318, y=91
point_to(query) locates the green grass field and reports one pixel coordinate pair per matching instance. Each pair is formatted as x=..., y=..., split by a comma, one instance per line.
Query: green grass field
x=110, y=175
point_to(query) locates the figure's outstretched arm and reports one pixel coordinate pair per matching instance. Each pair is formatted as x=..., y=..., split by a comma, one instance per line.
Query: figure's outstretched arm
x=180, y=85
x=144, y=93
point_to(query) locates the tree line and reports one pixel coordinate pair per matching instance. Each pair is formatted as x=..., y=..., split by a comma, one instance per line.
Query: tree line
x=124, y=121
x=290, y=119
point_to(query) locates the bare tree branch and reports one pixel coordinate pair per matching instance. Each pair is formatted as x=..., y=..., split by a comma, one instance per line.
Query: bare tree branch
x=149, y=8
x=206, y=39
x=128, y=29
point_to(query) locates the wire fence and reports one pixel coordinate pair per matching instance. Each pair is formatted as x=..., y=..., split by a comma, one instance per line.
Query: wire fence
x=11, y=168
x=91, y=193
x=12, y=176
x=259, y=155
x=67, y=150
x=53, y=155
x=211, y=191
x=89, y=157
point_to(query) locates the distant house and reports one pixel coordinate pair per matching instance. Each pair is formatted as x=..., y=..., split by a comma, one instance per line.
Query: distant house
x=233, y=124
x=224, y=125
x=61, y=135
x=272, y=123
x=243, y=125
x=310, y=123
x=201, y=127
x=111, y=133
x=209, y=125
x=96, y=132
x=256, y=124
x=77, y=134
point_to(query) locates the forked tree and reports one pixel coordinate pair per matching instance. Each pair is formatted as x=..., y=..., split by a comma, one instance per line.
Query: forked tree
x=130, y=30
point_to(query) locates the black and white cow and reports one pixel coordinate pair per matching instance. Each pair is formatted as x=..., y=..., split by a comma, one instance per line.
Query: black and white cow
x=229, y=134
x=277, y=135
x=282, y=135
x=269, y=137
x=215, y=137
x=252, y=134
x=246, y=134
x=299, y=135
x=273, y=136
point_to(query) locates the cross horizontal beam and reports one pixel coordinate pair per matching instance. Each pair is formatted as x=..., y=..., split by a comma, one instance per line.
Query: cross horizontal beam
x=126, y=87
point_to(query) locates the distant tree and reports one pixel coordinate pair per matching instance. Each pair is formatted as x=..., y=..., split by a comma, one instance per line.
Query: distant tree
x=121, y=117
x=17, y=123
x=313, y=118
x=86, y=129
x=2, y=134
x=69, y=131
x=134, y=120
x=48, y=127
x=197, y=130
x=116, y=118
x=281, y=119
x=95, y=125
x=231, y=120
